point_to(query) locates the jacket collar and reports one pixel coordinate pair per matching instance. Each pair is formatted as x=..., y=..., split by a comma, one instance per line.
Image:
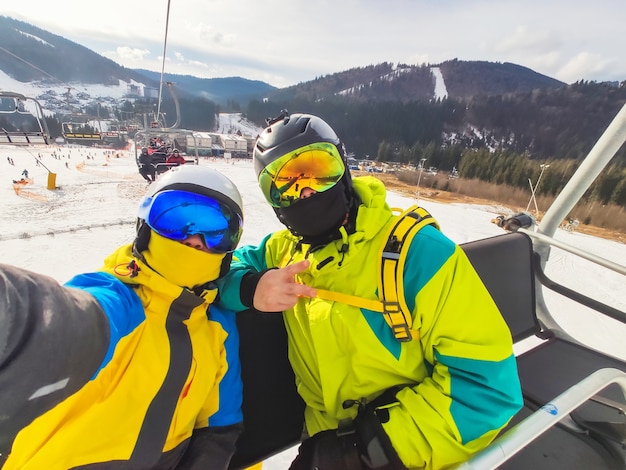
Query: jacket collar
x=372, y=216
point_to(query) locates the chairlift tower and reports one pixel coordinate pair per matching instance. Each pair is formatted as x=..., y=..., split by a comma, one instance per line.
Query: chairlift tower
x=419, y=178
x=533, y=191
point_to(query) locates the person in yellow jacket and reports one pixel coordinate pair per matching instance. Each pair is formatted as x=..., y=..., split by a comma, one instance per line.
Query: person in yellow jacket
x=372, y=401
x=130, y=366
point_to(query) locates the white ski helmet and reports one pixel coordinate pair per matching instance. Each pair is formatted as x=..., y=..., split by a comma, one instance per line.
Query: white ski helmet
x=194, y=179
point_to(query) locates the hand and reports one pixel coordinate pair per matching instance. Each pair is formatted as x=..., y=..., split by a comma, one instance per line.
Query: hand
x=278, y=290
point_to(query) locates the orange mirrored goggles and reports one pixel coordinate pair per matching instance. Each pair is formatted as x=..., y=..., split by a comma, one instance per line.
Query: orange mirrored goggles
x=316, y=166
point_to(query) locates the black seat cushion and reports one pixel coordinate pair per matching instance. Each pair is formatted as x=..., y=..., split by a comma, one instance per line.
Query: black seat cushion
x=504, y=264
x=549, y=369
x=273, y=411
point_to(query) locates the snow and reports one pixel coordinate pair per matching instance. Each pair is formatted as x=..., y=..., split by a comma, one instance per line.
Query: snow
x=83, y=94
x=441, y=91
x=71, y=229
x=230, y=123
x=33, y=89
x=36, y=38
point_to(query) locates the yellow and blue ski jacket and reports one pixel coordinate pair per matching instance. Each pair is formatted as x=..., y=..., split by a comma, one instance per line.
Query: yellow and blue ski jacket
x=170, y=368
x=460, y=374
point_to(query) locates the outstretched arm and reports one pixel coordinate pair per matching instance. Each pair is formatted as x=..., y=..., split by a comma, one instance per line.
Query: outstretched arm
x=52, y=340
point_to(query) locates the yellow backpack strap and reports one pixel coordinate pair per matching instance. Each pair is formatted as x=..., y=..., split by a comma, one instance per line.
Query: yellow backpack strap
x=348, y=299
x=391, y=302
x=391, y=269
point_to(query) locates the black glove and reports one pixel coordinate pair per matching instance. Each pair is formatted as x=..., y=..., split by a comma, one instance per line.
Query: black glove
x=360, y=445
x=374, y=445
x=328, y=450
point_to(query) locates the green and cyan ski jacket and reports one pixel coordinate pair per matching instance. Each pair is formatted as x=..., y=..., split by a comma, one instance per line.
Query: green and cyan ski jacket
x=460, y=373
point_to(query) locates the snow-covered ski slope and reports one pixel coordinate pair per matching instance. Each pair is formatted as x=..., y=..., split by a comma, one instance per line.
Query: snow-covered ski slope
x=72, y=228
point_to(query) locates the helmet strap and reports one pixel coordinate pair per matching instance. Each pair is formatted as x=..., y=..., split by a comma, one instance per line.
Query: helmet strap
x=143, y=237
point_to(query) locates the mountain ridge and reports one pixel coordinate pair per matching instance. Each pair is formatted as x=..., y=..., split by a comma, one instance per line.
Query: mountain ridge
x=219, y=90
x=405, y=83
x=31, y=54
x=386, y=110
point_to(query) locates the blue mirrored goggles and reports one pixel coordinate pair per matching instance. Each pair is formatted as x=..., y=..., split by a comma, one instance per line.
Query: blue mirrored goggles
x=177, y=215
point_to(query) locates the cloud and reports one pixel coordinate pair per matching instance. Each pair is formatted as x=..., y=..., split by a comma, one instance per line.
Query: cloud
x=128, y=54
x=205, y=33
x=197, y=63
x=528, y=40
x=288, y=42
x=586, y=64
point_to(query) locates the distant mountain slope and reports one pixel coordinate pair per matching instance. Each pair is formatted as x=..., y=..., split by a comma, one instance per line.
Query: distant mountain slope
x=219, y=90
x=465, y=79
x=29, y=54
x=387, y=82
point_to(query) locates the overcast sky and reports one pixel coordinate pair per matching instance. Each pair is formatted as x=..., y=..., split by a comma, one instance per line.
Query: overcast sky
x=291, y=41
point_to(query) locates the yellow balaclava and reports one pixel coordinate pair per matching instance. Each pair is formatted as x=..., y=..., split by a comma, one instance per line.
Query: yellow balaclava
x=180, y=264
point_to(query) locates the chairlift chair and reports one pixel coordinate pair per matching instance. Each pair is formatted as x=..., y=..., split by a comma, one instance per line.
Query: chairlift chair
x=182, y=139
x=22, y=120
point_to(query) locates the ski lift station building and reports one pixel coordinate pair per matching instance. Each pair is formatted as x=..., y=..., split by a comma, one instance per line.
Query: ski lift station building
x=217, y=145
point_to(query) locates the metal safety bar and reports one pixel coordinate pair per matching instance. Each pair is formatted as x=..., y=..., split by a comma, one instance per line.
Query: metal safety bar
x=548, y=240
x=598, y=157
x=18, y=138
x=531, y=428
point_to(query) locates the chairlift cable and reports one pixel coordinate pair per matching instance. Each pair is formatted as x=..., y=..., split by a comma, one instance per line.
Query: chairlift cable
x=28, y=63
x=167, y=20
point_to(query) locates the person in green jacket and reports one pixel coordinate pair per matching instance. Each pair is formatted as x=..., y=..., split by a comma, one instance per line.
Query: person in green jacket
x=372, y=401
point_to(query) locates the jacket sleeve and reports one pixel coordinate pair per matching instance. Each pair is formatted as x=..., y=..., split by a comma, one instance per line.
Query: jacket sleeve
x=473, y=388
x=61, y=335
x=247, y=259
x=52, y=340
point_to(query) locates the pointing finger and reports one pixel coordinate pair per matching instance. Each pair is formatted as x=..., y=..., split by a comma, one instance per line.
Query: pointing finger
x=297, y=268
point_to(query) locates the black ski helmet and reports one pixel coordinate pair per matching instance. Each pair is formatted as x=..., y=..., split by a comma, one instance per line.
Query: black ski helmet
x=287, y=133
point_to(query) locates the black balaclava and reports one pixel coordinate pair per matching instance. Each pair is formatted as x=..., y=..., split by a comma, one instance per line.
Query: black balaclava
x=317, y=219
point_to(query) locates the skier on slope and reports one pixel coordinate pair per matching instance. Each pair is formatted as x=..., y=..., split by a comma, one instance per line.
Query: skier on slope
x=129, y=367
x=372, y=401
